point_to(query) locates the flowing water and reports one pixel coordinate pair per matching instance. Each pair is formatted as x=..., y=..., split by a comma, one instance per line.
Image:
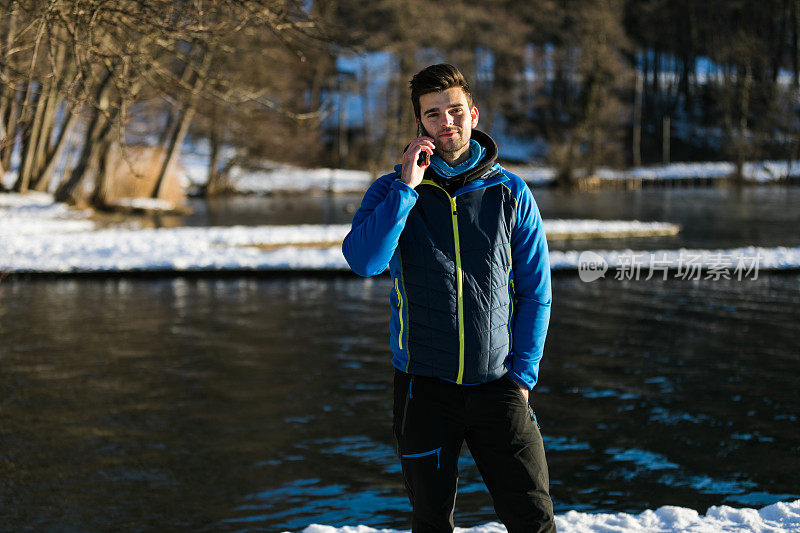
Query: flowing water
x=265, y=404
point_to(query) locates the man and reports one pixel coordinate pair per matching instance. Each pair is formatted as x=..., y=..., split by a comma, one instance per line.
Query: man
x=469, y=309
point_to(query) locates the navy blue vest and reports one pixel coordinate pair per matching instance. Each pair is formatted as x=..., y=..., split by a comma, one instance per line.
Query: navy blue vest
x=451, y=276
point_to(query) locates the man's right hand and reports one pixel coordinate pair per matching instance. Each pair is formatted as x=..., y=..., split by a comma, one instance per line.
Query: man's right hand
x=412, y=173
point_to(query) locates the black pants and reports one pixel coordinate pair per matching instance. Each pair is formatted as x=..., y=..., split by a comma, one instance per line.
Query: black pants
x=432, y=418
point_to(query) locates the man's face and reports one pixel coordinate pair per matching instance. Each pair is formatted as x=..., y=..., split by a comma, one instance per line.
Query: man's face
x=447, y=117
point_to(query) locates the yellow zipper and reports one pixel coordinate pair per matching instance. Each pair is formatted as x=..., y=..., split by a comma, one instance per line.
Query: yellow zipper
x=459, y=282
x=399, y=314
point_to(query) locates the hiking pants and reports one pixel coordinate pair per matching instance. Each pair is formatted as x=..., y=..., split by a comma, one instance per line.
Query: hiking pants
x=432, y=418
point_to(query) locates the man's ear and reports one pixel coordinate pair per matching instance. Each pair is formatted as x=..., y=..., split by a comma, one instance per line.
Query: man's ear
x=474, y=114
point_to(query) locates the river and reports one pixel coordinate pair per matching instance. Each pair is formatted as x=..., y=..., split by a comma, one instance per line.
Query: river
x=264, y=404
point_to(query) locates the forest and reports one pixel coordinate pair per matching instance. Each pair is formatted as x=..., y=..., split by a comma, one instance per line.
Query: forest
x=87, y=86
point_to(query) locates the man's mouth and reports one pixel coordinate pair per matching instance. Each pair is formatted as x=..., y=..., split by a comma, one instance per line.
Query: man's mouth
x=449, y=133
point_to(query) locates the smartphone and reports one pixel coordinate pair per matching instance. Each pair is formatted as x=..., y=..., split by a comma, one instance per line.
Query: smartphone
x=424, y=158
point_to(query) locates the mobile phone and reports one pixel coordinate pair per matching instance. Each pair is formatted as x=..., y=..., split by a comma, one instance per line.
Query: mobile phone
x=424, y=158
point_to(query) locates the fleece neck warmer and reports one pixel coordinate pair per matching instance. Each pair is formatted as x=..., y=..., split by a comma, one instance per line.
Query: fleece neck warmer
x=476, y=153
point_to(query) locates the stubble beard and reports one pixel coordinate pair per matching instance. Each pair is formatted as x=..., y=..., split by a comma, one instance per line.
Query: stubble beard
x=452, y=147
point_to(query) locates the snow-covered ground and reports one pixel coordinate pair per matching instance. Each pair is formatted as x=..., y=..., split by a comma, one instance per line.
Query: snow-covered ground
x=281, y=178
x=779, y=517
x=756, y=171
x=575, y=228
x=39, y=236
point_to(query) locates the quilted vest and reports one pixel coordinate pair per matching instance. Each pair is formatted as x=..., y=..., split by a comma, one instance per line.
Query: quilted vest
x=452, y=295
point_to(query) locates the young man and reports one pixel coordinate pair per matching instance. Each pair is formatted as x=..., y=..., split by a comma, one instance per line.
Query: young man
x=469, y=309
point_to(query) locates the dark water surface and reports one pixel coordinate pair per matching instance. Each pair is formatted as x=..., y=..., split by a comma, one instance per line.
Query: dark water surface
x=265, y=404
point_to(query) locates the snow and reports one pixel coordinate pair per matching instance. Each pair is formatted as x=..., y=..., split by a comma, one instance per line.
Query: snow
x=753, y=171
x=779, y=517
x=36, y=213
x=606, y=228
x=534, y=175
x=149, y=204
x=759, y=171
x=176, y=249
x=289, y=179
x=37, y=235
x=279, y=178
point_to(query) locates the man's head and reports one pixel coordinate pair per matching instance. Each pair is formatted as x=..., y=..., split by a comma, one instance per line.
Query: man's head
x=443, y=107
x=435, y=79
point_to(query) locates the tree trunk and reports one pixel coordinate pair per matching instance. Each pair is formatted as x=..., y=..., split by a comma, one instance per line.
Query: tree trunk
x=566, y=168
x=174, y=148
x=796, y=44
x=30, y=140
x=45, y=143
x=7, y=95
x=46, y=148
x=637, y=120
x=101, y=164
x=11, y=129
x=69, y=189
x=216, y=179
x=44, y=132
x=174, y=114
x=656, y=96
x=744, y=109
x=4, y=105
x=55, y=152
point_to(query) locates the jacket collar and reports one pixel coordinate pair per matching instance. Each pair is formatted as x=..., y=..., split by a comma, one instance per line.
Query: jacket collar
x=451, y=185
x=484, y=174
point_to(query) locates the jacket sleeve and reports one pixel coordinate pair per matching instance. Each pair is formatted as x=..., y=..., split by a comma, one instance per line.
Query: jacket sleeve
x=377, y=225
x=531, y=268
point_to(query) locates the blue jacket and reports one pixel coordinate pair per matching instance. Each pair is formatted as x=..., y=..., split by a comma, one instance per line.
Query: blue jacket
x=470, y=297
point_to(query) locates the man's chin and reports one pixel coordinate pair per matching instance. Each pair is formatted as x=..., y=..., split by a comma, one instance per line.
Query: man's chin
x=450, y=145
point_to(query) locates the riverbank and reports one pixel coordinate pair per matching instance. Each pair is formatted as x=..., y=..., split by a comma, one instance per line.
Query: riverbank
x=39, y=236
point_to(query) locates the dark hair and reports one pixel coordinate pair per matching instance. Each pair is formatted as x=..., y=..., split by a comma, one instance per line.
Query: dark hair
x=435, y=79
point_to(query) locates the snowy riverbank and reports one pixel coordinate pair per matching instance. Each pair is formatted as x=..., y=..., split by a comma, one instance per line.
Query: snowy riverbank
x=39, y=236
x=779, y=517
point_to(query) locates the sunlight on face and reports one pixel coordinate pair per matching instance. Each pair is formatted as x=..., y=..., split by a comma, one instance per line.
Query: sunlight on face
x=447, y=117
